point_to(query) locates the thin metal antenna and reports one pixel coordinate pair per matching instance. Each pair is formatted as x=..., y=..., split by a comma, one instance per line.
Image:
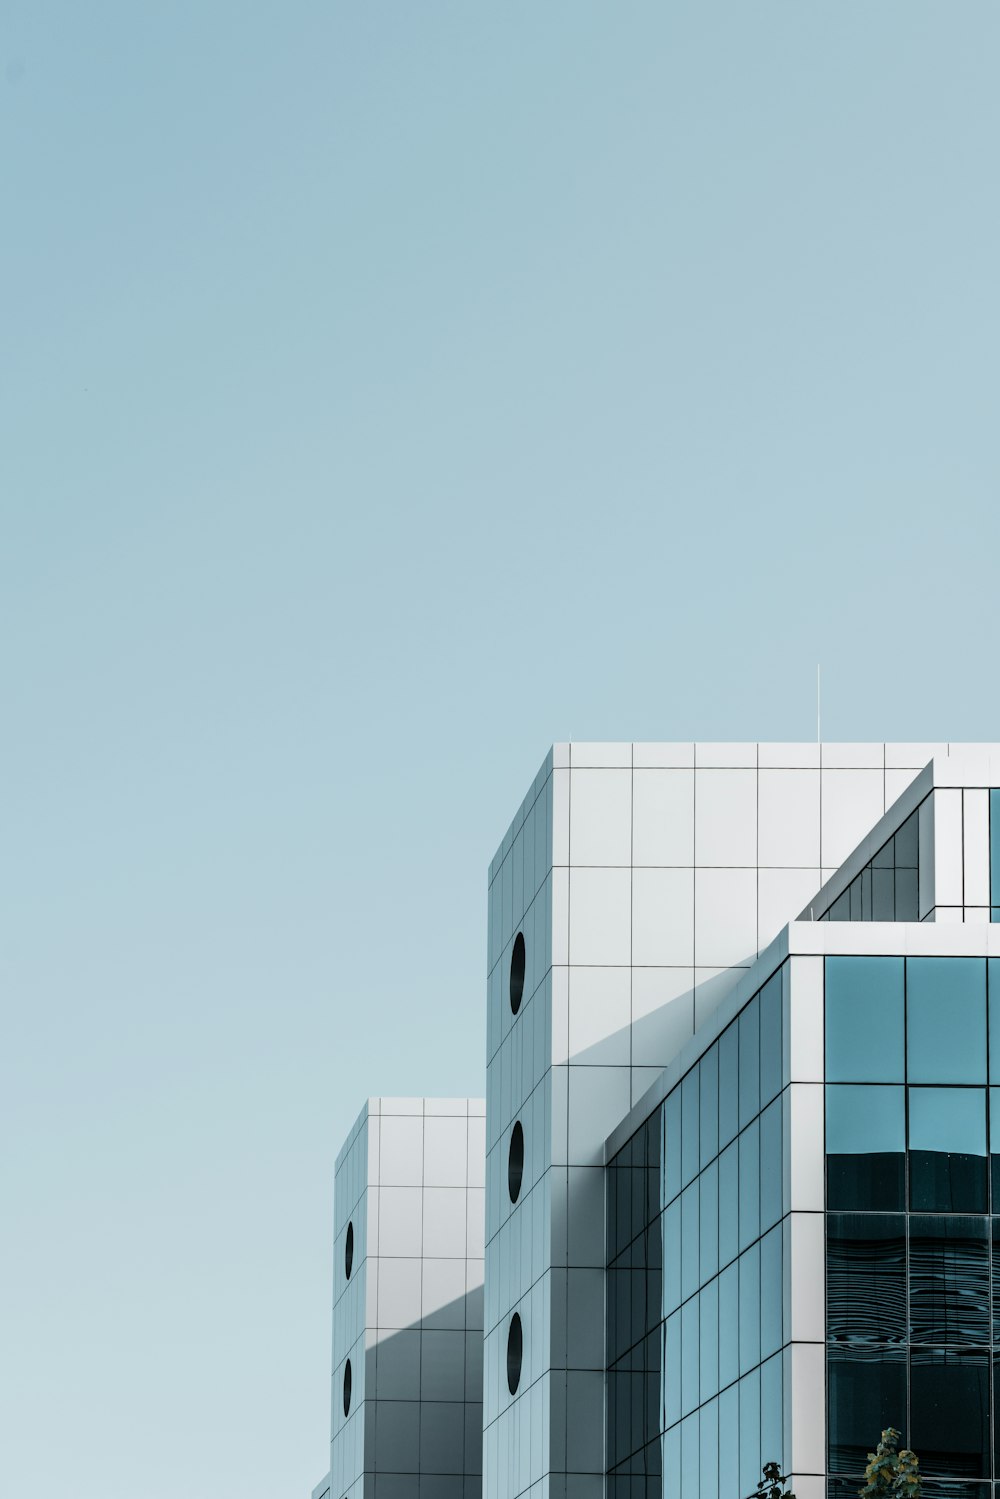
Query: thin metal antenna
x=819, y=736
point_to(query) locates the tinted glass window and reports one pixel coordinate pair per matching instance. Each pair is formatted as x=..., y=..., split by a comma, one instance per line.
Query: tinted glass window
x=749, y=1027
x=949, y=1407
x=866, y=1393
x=949, y=1280
x=948, y=1150
x=946, y=1020
x=864, y=1020
x=866, y=1277
x=865, y=1145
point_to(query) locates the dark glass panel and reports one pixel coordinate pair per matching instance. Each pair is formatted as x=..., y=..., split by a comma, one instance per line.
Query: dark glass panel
x=950, y=1409
x=749, y=1143
x=623, y=1200
x=653, y=1179
x=993, y=968
x=946, y=1020
x=729, y=1043
x=708, y=1312
x=638, y=1313
x=771, y=1292
x=729, y=1325
x=690, y=1356
x=749, y=1267
x=611, y=1211
x=908, y=843
x=995, y=848
x=729, y=1203
x=865, y=1143
x=651, y=1385
x=883, y=895
x=867, y=1393
x=866, y=1277
x=864, y=1020
x=996, y=1284
x=907, y=895
x=637, y=1388
x=841, y=908
x=672, y=1145
x=689, y=1127
x=672, y=1369
x=690, y=1260
x=770, y=1039
x=672, y=1257
x=749, y=1025
x=708, y=1186
x=949, y=1280
x=948, y=1150
x=854, y=897
x=639, y=1215
x=709, y=1106
x=771, y=1165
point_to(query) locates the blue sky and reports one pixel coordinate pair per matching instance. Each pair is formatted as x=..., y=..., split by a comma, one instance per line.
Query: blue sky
x=387, y=391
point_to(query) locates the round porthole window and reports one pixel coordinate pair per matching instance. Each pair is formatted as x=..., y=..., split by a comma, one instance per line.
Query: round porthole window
x=347, y=1387
x=515, y=1161
x=514, y=1350
x=517, y=973
x=349, y=1251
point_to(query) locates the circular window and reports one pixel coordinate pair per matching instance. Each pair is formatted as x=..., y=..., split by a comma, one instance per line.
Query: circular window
x=517, y=973
x=347, y=1385
x=515, y=1161
x=514, y=1349
x=349, y=1251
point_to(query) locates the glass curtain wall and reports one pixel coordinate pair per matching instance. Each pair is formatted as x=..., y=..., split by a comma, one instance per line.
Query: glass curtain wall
x=695, y=1273
x=912, y=1183
x=886, y=889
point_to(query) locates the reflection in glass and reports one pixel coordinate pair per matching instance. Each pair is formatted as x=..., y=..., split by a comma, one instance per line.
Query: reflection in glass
x=865, y=1146
x=709, y=1105
x=949, y=1280
x=864, y=1020
x=947, y=1150
x=770, y=1039
x=728, y=1084
x=867, y=1392
x=866, y=1277
x=946, y=1020
x=749, y=1027
x=949, y=1406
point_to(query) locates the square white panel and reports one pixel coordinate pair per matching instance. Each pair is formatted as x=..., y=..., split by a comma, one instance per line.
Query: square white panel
x=854, y=756
x=604, y=754
x=781, y=895
x=398, y=1293
x=600, y=916
x=663, y=817
x=803, y=756
x=725, y=906
x=599, y=1015
x=724, y=753
x=852, y=805
x=444, y=1222
x=788, y=815
x=948, y=869
x=976, y=823
x=475, y=1226
x=560, y=816
x=446, y=1150
x=725, y=818
x=600, y=817
x=477, y=1150
x=808, y=1277
x=443, y=1302
x=662, y=917
x=400, y=1212
x=662, y=1014
x=804, y=1020
x=663, y=756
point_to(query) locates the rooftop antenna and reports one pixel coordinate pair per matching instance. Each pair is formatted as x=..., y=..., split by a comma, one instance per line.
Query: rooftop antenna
x=819, y=737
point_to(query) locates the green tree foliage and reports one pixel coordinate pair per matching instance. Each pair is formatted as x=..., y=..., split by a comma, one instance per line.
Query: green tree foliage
x=891, y=1474
x=772, y=1485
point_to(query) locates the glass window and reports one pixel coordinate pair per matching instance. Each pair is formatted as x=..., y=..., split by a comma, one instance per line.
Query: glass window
x=709, y=1452
x=728, y=1084
x=690, y=1260
x=709, y=1340
x=770, y=1165
x=865, y=1147
x=672, y=1369
x=771, y=1293
x=671, y=1149
x=749, y=1432
x=690, y=1450
x=946, y=1020
x=994, y=977
x=947, y=1150
x=749, y=1143
x=750, y=1061
x=995, y=1146
x=729, y=1455
x=866, y=1392
x=949, y=1280
x=771, y=1444
x=623, y=1198
x=864, y=1020
x=749, y=1264
x=729, y=1203
x=671, y=1462
x=709, y=1236
x=690, y=1356
x=770, y=1039
x=709, y=1096
x=866, y=1277
x=729, y=1325
x=949, y=1407
x=672, y=1256
x=689, y=1127
x=995, y=848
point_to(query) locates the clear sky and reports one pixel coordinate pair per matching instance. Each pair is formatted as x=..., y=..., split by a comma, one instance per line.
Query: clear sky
x=387, y=390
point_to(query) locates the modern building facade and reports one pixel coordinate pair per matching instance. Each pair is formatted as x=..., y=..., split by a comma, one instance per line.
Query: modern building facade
x=406, y=1404
x=739, y=1194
